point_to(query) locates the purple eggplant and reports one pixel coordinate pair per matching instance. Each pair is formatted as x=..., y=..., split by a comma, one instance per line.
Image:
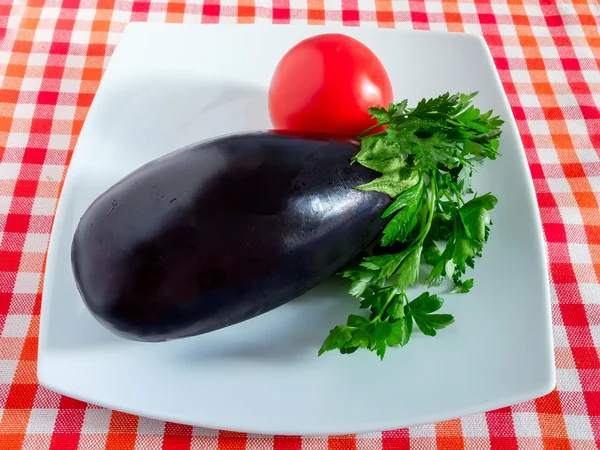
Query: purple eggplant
x=222, y=231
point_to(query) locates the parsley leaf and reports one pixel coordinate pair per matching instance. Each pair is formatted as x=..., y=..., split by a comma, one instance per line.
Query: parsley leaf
x=391, y=183
x=462, y=287
x=409, y=269
x=379, y=155
x=422, y=308
x=338, y=337
x=406, y=207
x=475, y=217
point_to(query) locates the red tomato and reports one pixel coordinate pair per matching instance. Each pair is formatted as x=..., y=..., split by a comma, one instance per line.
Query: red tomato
x=325, y=84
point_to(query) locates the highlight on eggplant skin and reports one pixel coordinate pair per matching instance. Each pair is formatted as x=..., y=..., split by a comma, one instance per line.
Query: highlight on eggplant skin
x=222, y=231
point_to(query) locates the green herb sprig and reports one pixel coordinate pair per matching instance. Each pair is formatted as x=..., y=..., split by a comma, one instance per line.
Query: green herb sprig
x=426, y=156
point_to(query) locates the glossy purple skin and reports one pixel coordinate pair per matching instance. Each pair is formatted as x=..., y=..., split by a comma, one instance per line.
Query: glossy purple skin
x=222, y=231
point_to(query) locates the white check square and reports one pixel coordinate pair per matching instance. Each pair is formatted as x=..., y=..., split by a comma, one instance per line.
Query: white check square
x=526, y=424
x=52, y=172
x=560, y=336
x=5, y=204
x=38, y=59
x=9, y=171
x=17, y=140
x=43, y=35
x=579, y=427
x=31, y=84
x=16, y=325
x=580, y=253
x=77, y=61
x=64, y=112
x=43, y=206
x=150, y=426
x=59, y=141
x=96, y=421
x=24, y=110
x=567, y=380
x=7, y=370
x=36, y=242
x=559, y=185
x=571, y=215
x=27, y=283
x=41, y=421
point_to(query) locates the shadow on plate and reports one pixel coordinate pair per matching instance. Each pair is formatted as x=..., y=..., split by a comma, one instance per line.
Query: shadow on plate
x=141, y=121
x=294, y=330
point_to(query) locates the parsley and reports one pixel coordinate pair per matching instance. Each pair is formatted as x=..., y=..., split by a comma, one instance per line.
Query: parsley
x=426, y=157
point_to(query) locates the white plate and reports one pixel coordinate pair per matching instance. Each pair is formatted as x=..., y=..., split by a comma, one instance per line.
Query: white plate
x=171, y=85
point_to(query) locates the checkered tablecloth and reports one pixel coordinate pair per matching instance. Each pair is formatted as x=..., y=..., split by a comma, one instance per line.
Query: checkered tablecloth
x=52, y=56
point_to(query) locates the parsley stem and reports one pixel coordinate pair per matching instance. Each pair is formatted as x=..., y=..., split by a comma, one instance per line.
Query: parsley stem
x=387, y=303
x=432, y=202
x=457, y=194
x=425, y=226
x=371, y=128
x=431, y=207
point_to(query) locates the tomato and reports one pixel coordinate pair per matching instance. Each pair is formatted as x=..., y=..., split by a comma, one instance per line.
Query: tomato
x=325, y=84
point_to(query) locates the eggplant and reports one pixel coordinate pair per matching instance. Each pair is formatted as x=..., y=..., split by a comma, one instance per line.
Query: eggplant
x=222, y=231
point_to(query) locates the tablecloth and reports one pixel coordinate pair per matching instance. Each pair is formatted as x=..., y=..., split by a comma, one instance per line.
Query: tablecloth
x=52, y=56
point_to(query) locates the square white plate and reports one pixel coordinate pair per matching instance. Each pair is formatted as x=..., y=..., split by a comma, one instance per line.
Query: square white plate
x=170, y=85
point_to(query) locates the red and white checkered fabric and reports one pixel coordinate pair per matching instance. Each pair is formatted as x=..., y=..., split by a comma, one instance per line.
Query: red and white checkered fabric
x=52, y=56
